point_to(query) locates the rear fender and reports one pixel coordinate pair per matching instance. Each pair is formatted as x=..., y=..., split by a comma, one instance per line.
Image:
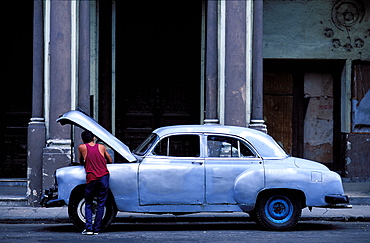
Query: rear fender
x=315, y=185
x=246, y=188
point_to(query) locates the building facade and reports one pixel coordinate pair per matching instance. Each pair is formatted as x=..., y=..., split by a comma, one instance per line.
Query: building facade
x=299, y=70
x=316, y=73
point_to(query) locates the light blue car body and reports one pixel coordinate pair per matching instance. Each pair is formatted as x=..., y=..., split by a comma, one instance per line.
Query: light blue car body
x=150, y=183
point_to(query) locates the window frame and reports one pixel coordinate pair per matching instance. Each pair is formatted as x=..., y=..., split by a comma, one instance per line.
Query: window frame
x=239, y=139
x=201, y=146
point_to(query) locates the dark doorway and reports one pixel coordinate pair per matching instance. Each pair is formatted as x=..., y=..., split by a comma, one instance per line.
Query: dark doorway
x=16, y=88
x=158, y=64
x=302, y=108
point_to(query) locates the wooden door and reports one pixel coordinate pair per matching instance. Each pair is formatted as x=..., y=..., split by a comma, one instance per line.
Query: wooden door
x=302, y=108
x=158, y=67
x=278, y=108
x=16, y=89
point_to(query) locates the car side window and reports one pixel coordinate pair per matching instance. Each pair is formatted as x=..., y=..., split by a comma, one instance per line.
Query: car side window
x=221, y=146
x=179, y=146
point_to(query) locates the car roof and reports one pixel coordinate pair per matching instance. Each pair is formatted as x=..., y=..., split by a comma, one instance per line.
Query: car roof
x=265, y=145
x=221, y=129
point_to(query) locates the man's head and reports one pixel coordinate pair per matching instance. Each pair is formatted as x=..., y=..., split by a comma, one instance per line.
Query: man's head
x=87, y=136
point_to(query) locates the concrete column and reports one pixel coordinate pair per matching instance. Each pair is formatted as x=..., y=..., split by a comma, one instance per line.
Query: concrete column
x=38, y=60
x=83, y=101
x=257, y=121
x=57, y=152
x=105, y=64
x=60, y=66
x=84, y=57
x=235, y=64
x=36, y=128
x=211, y=67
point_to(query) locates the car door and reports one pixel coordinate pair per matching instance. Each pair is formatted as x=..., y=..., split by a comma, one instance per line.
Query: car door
x=173, y=172
x=227, y=158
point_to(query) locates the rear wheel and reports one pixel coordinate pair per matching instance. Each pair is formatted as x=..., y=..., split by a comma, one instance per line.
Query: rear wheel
x=278, y=211
x=76, y=210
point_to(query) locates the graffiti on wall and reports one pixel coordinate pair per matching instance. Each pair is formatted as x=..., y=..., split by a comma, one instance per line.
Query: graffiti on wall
x=345, y=15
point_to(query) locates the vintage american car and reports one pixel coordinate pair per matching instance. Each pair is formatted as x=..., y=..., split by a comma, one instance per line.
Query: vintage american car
x=201, y=168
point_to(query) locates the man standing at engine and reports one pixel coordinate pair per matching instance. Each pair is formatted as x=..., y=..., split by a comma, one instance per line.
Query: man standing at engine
x=94, y=157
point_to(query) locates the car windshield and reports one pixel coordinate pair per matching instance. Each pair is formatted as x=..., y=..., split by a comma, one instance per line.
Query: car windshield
x=146, y=144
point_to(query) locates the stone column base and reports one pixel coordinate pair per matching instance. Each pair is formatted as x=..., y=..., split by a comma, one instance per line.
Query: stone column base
x=56, y=155
x=258, y=125
x=35, y=145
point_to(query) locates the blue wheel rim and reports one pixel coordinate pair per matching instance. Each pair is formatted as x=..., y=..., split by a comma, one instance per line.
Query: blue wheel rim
x=279, y=210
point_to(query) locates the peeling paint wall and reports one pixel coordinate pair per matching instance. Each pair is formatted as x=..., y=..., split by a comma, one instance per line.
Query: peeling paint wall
x=328, y=30
x=55, y=156
x=361, y=114
x=361, y=97
x=358, y=143
x=318, y=122
x=358, y=157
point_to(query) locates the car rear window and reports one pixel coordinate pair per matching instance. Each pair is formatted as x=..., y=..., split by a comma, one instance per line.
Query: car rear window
x=222, y=146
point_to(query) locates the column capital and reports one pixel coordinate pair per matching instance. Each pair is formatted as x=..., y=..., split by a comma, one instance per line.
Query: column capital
x=258, y=125
x=211, y=121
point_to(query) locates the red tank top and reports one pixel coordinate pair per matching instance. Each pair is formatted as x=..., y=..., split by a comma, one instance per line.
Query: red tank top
x=95, y=163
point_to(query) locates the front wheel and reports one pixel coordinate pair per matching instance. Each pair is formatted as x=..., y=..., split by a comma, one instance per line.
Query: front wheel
x=278, y=211
x=76, y=210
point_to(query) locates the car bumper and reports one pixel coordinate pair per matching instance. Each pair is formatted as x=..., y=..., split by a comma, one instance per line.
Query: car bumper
x=50, y=198
x=337, y=201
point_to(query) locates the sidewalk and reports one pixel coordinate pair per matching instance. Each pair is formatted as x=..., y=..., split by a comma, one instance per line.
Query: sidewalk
x=38, y=215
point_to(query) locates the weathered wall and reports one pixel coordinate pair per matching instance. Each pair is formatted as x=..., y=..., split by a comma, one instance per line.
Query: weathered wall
x=318, y=122
x=330, y=29
x=358, y=156
x=361, y=97
x=358, y=143
x=325, y=29
x=58, y=93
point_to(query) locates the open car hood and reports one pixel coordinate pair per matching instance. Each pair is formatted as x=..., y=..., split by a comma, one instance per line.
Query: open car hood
x=86, y=122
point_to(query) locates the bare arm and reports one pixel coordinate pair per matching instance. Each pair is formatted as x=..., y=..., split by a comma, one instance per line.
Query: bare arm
x=105, y=153
x=107, y=157
x=82, y=153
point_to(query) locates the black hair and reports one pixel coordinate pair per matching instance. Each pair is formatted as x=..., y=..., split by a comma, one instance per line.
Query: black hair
x=87, y=136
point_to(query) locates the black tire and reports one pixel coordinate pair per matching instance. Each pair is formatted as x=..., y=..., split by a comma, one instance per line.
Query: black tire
x=277, y=211
x=76, y=210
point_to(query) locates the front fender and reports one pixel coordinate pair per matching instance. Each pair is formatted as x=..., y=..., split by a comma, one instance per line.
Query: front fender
x=246, y=188
x=69, y=178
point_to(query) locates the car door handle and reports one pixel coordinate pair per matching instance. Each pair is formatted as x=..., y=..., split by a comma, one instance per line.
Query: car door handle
x=196, y=162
